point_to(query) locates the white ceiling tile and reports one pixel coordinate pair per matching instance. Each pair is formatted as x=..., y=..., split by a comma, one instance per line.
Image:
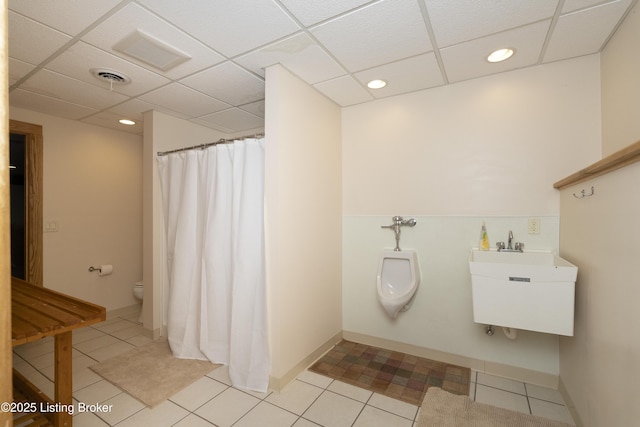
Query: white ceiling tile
x=344, y=91
x=47, y=104
x=18, y=69
x=211, y=125
x=299, y=54
x=184, y=100
x=72, y=90
x=79, y=59
x=380, y=33
x=312, y=12
x=133, y=109
x=32, y=42
x=227, y=82
x=110, y=120
x=573, y=5
x=69, y=16
x=132, y=18
x=408, y=75
x=583, y=32
x=455, y=21
x=468, y=60
x=333, y=45
x=256, y=108
x=215, y=22
x=234, y=119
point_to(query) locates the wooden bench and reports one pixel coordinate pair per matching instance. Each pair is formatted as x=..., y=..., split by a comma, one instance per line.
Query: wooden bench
x=37, y=312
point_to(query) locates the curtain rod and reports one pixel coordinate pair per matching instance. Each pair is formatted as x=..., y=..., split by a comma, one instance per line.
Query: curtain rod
x=209, y=144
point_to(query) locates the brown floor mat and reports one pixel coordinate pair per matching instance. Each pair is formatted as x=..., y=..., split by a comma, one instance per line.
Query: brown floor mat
x=397, y=375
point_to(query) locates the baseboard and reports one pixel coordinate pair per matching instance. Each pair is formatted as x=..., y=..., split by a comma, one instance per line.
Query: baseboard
x=277, y=384
x=569, y=403
x=507, y=371
x=124, y=311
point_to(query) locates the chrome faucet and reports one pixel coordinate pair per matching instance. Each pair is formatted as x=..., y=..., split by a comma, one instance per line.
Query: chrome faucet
x=398, y=222
x=511, y=246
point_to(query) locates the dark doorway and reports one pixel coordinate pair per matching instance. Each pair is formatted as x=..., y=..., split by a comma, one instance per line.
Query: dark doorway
x=17, y=175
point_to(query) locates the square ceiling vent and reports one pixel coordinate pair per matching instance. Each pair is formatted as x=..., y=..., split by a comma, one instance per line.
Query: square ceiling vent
x=148, y=49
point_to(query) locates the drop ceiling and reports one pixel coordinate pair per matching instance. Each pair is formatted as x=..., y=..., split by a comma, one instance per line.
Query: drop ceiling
x=205, y=60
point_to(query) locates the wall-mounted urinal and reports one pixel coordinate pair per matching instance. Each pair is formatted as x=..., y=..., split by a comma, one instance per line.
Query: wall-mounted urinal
x=398, y=280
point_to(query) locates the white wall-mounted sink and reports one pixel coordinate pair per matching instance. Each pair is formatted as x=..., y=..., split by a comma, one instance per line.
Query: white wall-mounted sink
x=523, y=290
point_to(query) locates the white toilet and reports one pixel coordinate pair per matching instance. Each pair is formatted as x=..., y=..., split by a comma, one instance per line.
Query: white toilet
x=138, y=292
x=398, y=280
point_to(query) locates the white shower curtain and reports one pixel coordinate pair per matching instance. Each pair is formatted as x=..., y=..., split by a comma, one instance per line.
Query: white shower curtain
x=214, y=215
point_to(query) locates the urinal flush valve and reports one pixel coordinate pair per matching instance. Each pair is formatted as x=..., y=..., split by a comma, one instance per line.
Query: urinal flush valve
x=398, y=222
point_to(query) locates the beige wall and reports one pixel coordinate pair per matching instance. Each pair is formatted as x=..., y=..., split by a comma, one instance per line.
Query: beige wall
x=93, y=191
x=303, y=221
x=600, y=365
x=621, y=86
x=487, y=149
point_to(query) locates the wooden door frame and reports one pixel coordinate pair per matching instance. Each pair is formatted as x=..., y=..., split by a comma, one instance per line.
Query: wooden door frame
x=33, y=198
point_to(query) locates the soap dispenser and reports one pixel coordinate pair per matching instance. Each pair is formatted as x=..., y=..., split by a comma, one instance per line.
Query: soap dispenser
x=484, y=238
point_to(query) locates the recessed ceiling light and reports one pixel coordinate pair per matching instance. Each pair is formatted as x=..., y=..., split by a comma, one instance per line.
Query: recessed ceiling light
x=376, y=84
x=501, y=55
x=127, y=122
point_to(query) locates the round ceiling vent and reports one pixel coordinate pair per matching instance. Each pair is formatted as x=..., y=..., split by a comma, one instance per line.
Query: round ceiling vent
x=111, y=76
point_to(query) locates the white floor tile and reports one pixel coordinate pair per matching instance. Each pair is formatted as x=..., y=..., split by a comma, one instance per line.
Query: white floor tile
x=83, y=378
x=304, y=423
x=311, y=400
x=501, y=383
x=348, y=390
x=502, y=399
x=333, y=410
x=85, y=334
x=87, y=419
x=550, y=410
x=227, y=408
x=34, y=349
x=139, y=340
x=544, y=393
x=296, y=397
x=267, y=415
x=193, y=420
x=374, y=417
x=109, y=328
x=96, y=343
x=315, y=379
x=106, y=353
x=42, y=361
x=97, y=392
x=198, y=393
x=164, y=415
x=394, y=406
x=120, y=407
x=128, y=332
x=221, y=374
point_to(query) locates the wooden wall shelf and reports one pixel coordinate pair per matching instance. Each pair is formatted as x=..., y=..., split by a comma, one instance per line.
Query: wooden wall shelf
x=617, y=160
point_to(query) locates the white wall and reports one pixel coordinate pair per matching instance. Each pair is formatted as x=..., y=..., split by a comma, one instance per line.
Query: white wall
x=489, y=150
x=93, y=189
x=303, y=222
x=600, y=365
x=621, y=86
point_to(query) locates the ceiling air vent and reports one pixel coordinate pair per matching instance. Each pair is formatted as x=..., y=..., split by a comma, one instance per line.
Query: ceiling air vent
x=148, y=49
x=113, y=77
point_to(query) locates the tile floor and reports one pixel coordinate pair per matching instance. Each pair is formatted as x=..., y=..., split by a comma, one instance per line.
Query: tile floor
x=310, y=400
